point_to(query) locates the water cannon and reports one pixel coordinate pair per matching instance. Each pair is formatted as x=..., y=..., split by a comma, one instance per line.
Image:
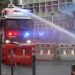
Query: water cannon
x=11, y=5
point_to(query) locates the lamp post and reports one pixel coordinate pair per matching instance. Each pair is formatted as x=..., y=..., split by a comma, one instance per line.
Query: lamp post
x=33, y=64
x=11, y=60
x=52, y=15
x=0, y=52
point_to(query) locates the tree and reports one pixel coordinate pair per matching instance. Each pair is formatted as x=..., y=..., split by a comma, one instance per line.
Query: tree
x=4, y=3
x=15, y=2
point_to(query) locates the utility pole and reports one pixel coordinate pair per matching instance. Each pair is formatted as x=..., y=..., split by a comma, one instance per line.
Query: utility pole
x=52, y=15
x=0, y=52
x=11, y=62
x=33, y=64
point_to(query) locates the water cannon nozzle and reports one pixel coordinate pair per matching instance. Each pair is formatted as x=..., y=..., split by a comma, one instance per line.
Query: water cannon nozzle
x=10, y=5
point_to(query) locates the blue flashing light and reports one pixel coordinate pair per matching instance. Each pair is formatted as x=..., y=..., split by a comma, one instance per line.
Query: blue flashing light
x=26, y=34
x=41, y=33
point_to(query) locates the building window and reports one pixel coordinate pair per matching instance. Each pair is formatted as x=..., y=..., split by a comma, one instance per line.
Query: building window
x=36, y=4
x=43, y=9
x=62, y=1
x=69, y=0
x=48, y=3
x=42, y=4
x=49, y=8
x=55, y=7
x=55, y=2
x=37, y=9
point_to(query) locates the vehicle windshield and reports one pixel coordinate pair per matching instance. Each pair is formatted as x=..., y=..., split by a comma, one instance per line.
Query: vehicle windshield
x=19, y=23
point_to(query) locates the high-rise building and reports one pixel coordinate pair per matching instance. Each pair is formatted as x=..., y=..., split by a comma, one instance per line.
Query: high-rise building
x=51, y=10
x=45, y=8
x=60, y=12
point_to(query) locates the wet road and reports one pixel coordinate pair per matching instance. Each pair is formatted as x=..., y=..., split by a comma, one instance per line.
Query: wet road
x=18, y=70
x=42, y=68
x=53, y=68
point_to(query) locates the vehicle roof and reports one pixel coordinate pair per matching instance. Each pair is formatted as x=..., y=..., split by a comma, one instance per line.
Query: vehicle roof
x=15, y=13
x=17, y=17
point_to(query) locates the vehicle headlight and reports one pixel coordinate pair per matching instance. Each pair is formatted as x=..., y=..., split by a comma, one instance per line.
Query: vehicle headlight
x=28, y=41
x=7, y=41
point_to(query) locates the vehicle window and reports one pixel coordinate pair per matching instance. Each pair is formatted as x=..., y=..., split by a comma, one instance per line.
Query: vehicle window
x=25, y=23
x=21, y=23
x=11, y=23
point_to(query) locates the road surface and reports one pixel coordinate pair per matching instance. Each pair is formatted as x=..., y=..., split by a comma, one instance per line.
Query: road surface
x=42, y=68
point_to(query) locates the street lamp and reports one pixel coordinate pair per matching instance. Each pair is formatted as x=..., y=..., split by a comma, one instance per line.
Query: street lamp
x=33, y=64
x=11, y=60
x=0, y=52
x=52, y=15
x=28, y=41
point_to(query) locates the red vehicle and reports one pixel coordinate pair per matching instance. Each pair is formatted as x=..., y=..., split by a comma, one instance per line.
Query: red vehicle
x=17, y=28
x=21, y=54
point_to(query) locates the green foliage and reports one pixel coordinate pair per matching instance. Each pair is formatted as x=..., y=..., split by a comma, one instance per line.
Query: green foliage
x=15, y=2
x=5, y=3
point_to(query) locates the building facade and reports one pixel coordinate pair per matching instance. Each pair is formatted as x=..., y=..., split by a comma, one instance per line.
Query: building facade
x=45, y=8
x=52, y=10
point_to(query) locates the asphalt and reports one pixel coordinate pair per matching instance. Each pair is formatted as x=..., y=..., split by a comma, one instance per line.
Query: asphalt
x=42, y=68
x=17, y=70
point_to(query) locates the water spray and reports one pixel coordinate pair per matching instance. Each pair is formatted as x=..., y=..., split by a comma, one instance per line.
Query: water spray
x=54, y=26
x=49, y=23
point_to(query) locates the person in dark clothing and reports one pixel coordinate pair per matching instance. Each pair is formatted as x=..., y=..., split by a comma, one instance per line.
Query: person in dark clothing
x=73, y=73
x=73, y=70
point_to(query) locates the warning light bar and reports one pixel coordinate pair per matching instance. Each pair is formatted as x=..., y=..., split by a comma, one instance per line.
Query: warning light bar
x=12, y=33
